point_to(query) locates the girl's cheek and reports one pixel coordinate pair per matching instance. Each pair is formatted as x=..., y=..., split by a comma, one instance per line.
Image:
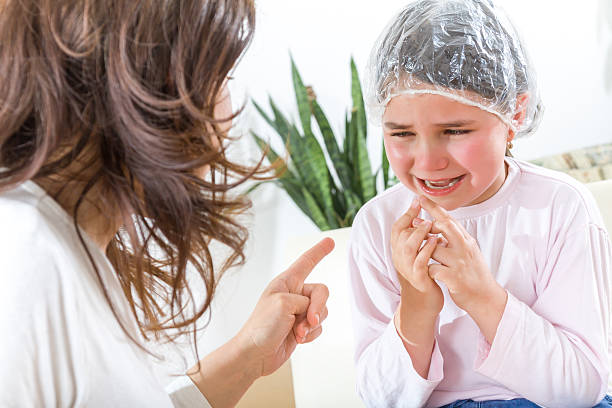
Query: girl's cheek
x=466, y=151
x=483, y=151
x=396, y=152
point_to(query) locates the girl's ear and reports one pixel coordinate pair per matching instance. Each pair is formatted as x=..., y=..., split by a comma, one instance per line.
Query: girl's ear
x=521, y=108
x=520, y=113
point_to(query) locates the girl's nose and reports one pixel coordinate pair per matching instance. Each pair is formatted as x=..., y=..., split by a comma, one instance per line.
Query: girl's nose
x=430, y=156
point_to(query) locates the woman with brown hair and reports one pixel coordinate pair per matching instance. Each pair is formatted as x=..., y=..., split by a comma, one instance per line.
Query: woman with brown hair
x=113, y=179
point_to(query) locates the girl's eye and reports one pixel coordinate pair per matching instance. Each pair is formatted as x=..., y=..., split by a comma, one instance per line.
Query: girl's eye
x=455, y=132
x=402, y=134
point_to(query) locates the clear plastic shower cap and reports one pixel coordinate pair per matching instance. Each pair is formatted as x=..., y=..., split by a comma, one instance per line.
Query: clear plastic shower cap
x=466, y=50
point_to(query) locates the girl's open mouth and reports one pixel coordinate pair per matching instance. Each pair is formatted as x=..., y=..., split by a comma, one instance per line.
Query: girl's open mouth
x=440, y=187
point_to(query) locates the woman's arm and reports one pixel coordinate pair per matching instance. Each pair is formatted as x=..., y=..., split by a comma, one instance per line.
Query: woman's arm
x=289, y=312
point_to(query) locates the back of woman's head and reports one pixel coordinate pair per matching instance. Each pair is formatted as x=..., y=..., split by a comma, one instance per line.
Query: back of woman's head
x=464, y=49
x=120, y=95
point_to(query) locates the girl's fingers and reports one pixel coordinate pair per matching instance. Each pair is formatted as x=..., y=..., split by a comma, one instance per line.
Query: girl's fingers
x=438, y=272
x=444, y=223
x=405, y=221
x=443, y=255
x=412, y=242
x=442, y=242
x=435, y=229
x=449, y=228
x=420, y=270
x=408, y=248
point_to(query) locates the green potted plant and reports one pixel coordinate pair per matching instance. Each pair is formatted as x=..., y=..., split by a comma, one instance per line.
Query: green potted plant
x=329, y=182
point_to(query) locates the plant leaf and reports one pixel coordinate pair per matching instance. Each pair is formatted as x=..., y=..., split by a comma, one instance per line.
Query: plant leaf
x=385, y=167
x=360, y=159
x=347, y=151
x=316, y=178
x=282, y=123
x=294, y=190
x=301, y=96
x=306, y=175
x=358, y=110
x=279, y=123
x=339, y=204
x=272, y=156
x=309, y=162
x=337, y=158
x=264, y=115
x=316, y=215
x=287, y=179
x=366, y=179
x=354, y=158
x=353, y=205
x=256, y=186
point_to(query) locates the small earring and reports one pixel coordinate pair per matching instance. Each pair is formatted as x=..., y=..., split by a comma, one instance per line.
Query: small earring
x=509, y=145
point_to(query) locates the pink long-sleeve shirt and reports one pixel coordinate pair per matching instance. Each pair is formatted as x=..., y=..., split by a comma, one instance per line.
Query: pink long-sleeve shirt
x=545, y=242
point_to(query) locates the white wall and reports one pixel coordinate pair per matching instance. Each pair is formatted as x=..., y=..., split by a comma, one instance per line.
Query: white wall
x=567, y=40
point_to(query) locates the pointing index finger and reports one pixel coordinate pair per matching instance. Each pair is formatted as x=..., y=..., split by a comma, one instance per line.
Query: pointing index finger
x=443, y=222
x=437, y=212
x=302, y=267
x=405, y=221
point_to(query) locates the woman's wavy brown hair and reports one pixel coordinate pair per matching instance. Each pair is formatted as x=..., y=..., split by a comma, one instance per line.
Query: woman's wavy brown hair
x=127, y=89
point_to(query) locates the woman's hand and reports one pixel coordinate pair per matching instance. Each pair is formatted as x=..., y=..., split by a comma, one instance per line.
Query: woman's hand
x=465, y=272
x=411, y=257
x=287, y=313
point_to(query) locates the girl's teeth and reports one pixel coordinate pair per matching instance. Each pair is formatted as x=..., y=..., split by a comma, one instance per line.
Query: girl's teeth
x=441, y=184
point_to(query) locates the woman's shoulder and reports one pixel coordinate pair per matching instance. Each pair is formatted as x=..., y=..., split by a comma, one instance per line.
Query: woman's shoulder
x=33, y=236
x=25, y=227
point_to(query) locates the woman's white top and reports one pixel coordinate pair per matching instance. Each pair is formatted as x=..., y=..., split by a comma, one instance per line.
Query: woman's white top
x=60, y=344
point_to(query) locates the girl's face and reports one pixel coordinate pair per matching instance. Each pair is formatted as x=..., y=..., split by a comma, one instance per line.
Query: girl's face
x=448, y=151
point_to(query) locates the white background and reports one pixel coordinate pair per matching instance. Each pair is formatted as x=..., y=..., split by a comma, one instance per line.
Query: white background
x=567, y=41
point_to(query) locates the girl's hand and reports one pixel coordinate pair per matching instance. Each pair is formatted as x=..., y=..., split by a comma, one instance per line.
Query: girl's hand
x=289, y=312
x=410, y=258
x=462, y=267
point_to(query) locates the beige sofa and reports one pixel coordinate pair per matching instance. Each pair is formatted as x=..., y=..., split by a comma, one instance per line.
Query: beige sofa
x=321, y=374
